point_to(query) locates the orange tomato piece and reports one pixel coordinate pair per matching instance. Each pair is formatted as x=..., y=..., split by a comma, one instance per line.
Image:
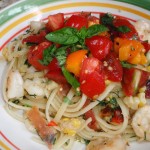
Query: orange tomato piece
x=131, y=51
x=124, y=52
x=143, y=59
x=135, y=60
x=118, y=42
x=74, y=61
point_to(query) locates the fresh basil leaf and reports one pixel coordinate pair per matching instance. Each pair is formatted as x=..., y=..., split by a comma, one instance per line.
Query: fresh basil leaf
x=48, y=55
x=96, y=29
x=123, y=29
x=71, y=80
x=64, y=36
x=107, y=19
x=126, y=64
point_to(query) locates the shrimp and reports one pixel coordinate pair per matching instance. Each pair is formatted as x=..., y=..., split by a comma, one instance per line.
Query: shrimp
x=115, y=143
x=141, y=122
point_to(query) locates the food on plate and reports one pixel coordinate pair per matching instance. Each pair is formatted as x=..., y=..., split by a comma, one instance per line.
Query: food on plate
x=81, y=78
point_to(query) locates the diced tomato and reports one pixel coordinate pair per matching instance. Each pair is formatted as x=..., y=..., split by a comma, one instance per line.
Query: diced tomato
x=90, y=65
x=112, y=68
x=124, y=22
x=92, y=81
x=106, y=112
x=144, y=78
x=55, y=22
x=39, y=38
x=90, y=114
x=93, y=85
x=56, y=76
x=36, y=53
x=99, y=46
x=77, y=21
x=54, y=66
x=146, y=46
x=127, y=85
x=117, y=117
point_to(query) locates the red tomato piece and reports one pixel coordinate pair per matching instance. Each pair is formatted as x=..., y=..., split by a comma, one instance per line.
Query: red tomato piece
x=77, y=21
x=56, y=76
x=124, y=22
x=127, y=85
x=99, y=46
x=146, y=46
x=90, y=65
x=39, y=38
x=117, y=117
x=36, y=53
x=112, y=68
x=54, y=66
x=55, y=22
x=90, y=114
x=93, y=85
x=128, y=78
x=92, y=81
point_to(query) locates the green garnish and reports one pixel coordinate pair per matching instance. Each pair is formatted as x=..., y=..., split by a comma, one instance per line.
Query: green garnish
x=123, y=29
x=126, y=64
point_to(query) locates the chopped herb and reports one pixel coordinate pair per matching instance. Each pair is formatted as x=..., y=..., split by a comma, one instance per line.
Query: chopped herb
x=19, y=48
x=27, y=105
x=113, y=103
x=33, y=95
x=86, y=141
x=48, y=55
x=61, y=55
x=28, y=31
x=145, y=135
x=123, y=29
x=30, y=44
x=16, y=101
x=54, y=141
x=107, y=19
x=126, y=64
x=27, y=63
x=103, y=103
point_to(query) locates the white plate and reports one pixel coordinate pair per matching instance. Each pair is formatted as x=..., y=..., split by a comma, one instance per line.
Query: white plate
x=14, y=20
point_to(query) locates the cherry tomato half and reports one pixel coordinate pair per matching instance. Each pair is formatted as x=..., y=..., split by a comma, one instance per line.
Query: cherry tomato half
x=77, y=21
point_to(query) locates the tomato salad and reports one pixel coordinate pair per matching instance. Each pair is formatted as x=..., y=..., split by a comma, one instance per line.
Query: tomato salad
x=86, y=52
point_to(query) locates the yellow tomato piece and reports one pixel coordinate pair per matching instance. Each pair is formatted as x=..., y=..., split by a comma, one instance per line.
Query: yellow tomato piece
x=135, y=60
x=74, y=61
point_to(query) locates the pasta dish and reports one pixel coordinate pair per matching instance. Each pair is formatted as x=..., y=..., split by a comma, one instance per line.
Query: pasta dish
x=81, y=78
